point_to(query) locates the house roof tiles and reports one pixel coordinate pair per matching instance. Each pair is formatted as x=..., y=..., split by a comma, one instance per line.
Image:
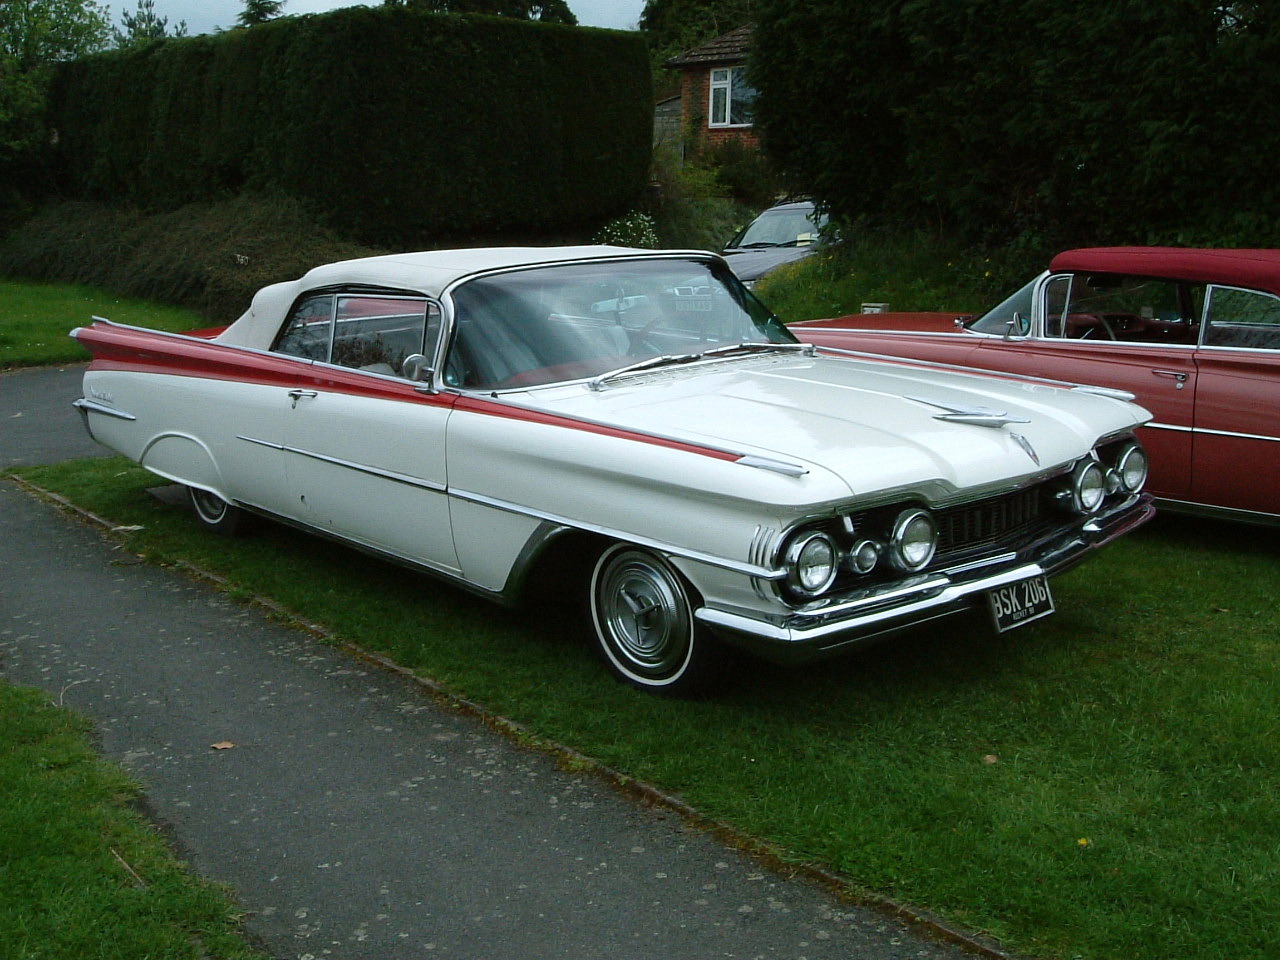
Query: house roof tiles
x=731, y=47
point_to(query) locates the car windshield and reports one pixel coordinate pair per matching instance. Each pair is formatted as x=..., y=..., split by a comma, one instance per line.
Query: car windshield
x=781, y=227
x=582, y=320
x=1015, y=308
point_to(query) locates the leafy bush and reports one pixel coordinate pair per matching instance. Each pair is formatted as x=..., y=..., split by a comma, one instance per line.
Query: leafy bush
x=744, y=172
x=690, y=206
x=908, y=271
x=211, y=257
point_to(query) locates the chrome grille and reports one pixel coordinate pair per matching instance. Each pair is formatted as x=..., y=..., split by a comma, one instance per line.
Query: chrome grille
x=1003, y=521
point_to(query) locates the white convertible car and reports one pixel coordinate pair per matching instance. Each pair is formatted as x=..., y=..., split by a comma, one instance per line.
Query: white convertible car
x=637, y=419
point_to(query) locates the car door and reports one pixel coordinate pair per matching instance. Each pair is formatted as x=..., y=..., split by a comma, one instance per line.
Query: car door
x=1237, y=427
x=365, y=447
x=1127, y=333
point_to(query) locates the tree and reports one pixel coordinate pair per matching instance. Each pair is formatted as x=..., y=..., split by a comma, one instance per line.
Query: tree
x=145, y=25
x=545, y=11
x=38, y=32
x=34, y=34
x=1110, y=121
x=687, y=23
x=259, y=11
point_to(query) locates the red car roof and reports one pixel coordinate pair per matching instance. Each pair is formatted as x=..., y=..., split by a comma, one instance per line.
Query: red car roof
x=1257, y=269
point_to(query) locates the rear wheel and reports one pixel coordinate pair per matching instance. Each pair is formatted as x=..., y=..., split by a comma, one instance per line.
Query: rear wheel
x=214, y=513
x=644, y=624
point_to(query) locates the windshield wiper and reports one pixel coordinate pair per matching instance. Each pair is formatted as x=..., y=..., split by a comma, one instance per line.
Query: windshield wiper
x=759, y=347
x=666, y=359
x=681, y=358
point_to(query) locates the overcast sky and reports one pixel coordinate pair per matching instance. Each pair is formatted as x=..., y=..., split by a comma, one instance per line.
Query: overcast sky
x=205, y=16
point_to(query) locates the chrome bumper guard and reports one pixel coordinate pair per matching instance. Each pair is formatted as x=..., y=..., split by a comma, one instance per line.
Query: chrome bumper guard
x=811, y=634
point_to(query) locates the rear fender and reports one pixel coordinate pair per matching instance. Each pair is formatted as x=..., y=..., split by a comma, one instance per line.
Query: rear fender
x=183, y=459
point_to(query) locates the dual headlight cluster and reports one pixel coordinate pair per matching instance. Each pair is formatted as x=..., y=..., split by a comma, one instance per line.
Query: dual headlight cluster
x=813, y=559
x=1119, y=470
x=908, y=539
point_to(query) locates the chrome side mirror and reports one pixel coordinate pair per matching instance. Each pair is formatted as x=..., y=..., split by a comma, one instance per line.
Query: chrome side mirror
x=1017, y=328
x=417, y=367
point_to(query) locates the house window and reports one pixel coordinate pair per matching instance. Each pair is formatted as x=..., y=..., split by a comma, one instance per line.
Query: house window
x=732, y=98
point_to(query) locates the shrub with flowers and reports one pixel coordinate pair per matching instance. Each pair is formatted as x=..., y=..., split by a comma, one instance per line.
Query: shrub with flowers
x=633, y=230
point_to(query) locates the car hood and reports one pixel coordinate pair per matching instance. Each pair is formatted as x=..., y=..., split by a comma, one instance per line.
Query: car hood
x=752, y=263
x=869, y=425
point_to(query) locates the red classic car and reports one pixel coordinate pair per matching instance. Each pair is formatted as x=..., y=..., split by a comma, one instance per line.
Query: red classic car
x=1193, y=334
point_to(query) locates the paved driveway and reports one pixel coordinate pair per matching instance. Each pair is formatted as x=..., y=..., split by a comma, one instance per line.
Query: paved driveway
x=356, y=817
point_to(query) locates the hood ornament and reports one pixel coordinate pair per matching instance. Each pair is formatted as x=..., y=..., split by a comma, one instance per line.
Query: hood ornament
x=976, y=416
x=982, y=417
x=1025, y=444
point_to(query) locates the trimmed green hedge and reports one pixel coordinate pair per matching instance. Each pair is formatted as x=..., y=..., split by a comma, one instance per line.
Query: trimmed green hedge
x=1117, y=121
x=399, y=127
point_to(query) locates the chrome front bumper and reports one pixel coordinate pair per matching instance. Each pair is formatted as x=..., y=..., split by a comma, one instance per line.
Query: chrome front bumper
x=807, y=635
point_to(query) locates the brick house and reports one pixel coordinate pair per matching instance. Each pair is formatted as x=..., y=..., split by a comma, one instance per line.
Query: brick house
x=716, y=100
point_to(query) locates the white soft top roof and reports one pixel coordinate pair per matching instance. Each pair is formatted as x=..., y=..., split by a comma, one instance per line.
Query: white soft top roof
x=428, y=272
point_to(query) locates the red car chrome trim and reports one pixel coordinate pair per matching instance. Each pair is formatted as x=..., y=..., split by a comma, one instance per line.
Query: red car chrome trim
x=725, y=563
x=888, y=360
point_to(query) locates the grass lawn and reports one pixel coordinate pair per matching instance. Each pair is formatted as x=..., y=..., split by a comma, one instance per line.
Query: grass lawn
x=81, y=874
x=1104, y=783
x=35, y=319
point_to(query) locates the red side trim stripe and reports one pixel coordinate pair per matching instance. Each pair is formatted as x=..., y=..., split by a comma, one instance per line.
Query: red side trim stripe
x=488, y=408
x=145, y=351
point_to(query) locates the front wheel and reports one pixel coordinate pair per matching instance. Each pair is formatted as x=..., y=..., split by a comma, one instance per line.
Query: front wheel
x=644, y=624
x=214, y=513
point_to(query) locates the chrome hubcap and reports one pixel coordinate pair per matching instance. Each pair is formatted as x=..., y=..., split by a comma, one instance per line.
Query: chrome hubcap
x=642, y=613
x=210, y=506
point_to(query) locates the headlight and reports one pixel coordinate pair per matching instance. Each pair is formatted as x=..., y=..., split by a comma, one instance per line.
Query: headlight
x=1132, y=468
x=811, y=563
x=914, y=539
x=1088, y=486
x=864, y=556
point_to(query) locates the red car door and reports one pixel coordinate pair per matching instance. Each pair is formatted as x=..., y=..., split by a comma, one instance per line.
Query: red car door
x=1162, y=377
x=1237, y=439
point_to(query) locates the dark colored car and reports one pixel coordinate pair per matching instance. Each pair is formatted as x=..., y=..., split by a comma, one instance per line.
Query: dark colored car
x=784, y=233
x=1193, y=334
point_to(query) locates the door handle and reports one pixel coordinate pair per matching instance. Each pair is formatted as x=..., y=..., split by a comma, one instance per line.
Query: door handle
x=1175, y=374
x=296, y=395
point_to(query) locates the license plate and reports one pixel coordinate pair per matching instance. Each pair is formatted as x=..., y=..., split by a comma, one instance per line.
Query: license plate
x=1019, y=603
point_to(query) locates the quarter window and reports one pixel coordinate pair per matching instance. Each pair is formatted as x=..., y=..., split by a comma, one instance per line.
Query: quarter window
x=309, y=330
x=1242, y=318
x=1009, y=316
x=733, y=100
